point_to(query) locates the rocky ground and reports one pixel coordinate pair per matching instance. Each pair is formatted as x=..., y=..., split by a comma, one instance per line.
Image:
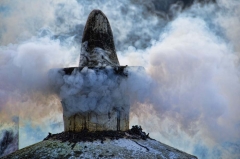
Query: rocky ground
x=133, y=143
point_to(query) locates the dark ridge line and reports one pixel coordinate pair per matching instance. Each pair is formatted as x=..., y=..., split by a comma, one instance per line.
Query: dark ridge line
x=73, y=137
x=141, y=145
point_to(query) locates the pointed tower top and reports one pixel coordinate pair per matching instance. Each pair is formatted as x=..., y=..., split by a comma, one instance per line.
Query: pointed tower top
x=97, y=43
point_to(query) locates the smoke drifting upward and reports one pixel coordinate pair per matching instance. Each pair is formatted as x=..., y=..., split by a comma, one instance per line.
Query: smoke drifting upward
x=24, y=85
x=195, y=66
x=197, y=80
x=189, y=96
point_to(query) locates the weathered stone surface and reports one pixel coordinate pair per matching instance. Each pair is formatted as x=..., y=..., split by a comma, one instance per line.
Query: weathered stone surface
x=97, y=42
x=120, y=149
x=133, y=143
x=116, y=114
x=94, y=122
x=97, y=51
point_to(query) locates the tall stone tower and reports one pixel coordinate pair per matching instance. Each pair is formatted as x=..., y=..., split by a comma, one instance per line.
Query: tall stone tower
x=95, y=97
x=91, y=108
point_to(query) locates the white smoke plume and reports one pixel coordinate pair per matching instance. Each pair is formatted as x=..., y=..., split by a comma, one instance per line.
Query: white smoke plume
x=190, y=94
x=197, y=89
x=24, y=82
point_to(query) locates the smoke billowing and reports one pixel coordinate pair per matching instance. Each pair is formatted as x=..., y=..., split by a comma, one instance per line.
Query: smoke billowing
x=190, y=53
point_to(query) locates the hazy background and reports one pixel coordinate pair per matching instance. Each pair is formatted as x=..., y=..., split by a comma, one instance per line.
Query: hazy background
x=190, y=52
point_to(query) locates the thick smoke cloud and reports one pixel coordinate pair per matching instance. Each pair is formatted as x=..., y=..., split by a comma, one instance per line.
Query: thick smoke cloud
x=24, y=84
x=191, y=56
x=22, y=19
x=196, y=89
